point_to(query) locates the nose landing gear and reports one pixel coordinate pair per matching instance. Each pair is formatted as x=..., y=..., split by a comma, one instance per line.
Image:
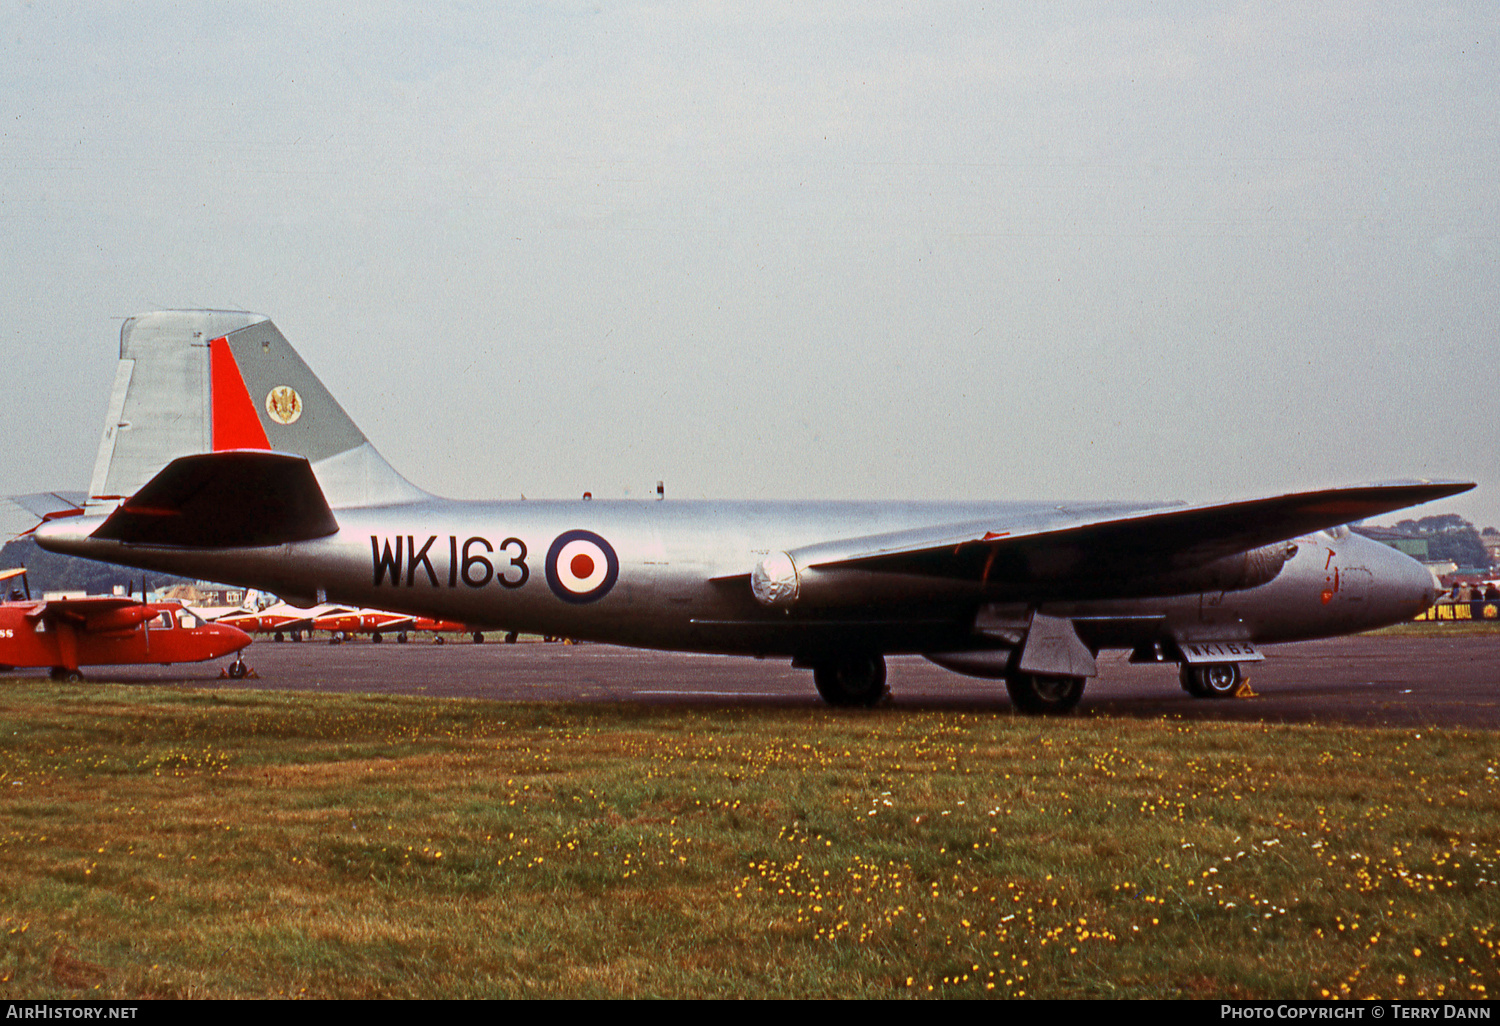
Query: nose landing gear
x=1212, y=680
x=237, y=670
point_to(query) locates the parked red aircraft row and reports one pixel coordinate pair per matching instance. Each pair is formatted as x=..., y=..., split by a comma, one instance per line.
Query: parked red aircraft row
x=68, y=633
x=282, y=620
x=378, y=622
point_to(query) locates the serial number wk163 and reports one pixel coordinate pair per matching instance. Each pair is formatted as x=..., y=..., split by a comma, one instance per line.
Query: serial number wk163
x=469, y=561
x=580, y=566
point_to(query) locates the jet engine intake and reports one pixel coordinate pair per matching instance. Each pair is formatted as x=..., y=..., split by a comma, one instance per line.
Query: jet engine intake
x=774, y=581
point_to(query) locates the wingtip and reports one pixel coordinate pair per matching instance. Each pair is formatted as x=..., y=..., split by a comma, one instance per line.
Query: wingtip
x=1439, y=488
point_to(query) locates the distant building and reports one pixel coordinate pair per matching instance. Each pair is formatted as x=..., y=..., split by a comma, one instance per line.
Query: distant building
x=1491, y=539
x=1415, y=547
x=205, y=593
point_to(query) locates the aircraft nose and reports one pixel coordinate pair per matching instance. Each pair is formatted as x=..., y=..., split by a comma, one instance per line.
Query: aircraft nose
x=1406, y=586
x=1426, y=584
x=232, y=638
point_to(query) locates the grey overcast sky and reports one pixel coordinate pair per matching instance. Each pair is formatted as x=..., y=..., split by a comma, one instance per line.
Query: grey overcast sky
x=866, y=249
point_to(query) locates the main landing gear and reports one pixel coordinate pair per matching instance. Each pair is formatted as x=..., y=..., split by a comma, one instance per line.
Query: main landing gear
x=1211, y=680
x=1038, y=694
x=66, y=675
x=851, y=680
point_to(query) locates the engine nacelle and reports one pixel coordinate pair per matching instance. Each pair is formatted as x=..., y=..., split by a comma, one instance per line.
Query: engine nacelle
x=989, y=663
x=126, y=618
x=781, y=581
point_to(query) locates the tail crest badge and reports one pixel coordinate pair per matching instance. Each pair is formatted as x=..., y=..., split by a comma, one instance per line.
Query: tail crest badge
x=284, y=404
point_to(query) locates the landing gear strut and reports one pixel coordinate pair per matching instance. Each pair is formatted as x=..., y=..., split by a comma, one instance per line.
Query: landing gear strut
x=851, y=680
x=1211, y=680
x=1041, y=694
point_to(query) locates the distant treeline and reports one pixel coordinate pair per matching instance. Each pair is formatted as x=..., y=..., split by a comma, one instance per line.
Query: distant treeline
x=50, y=571
x=1449, y=537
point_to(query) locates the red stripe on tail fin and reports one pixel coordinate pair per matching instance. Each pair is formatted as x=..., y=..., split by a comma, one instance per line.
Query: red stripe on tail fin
x=236, y=425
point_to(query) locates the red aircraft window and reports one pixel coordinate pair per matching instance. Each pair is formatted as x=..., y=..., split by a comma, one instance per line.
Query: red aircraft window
x=186, y=621
x=164, y=620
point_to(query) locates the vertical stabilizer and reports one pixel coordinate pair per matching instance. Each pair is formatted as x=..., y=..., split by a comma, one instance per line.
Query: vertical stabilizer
x=193, y=381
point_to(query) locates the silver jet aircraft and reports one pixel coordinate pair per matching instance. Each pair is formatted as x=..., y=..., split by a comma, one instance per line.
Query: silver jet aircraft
x=224, y=457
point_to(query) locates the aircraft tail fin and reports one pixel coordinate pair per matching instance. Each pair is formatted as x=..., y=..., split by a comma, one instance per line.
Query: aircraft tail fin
x=199, y=381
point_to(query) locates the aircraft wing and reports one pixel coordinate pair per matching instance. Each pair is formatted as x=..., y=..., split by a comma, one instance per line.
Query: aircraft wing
x=93, y=613
x=397, y=622
x=82, y=607
x=1059, y=544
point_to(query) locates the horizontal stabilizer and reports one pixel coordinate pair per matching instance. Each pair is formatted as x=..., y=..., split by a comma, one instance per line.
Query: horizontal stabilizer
x=19, y=514
x=232, y=499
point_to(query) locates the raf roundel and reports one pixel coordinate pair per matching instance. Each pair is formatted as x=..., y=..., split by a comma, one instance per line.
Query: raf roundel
x=581, y=567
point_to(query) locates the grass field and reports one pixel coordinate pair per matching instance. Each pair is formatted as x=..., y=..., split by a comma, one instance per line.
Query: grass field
x=158, y=842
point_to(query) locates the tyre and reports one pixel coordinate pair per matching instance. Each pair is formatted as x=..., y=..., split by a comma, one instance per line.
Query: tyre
x=1041, y=695
x=1211, y=680
x=853, y=680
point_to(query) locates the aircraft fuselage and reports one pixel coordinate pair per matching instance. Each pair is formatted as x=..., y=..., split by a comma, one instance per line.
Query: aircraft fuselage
x=675, y=575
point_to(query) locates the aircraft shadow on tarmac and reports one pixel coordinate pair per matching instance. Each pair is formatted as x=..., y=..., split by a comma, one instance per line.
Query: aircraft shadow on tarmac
x=1364, y=681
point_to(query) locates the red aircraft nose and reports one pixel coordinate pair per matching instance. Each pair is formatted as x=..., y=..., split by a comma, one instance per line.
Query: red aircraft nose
x=224, y=639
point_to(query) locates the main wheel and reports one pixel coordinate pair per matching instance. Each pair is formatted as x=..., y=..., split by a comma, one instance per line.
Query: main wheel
x=851, y=680
x=1039, y=694
x=478, y=638
x=1211, y=680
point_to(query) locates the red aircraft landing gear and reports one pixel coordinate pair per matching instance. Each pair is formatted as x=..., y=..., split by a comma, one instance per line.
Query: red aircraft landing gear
x=237, y=670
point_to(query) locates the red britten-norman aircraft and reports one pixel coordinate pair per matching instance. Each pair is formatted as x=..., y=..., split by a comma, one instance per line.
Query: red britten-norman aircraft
x=108, y=630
